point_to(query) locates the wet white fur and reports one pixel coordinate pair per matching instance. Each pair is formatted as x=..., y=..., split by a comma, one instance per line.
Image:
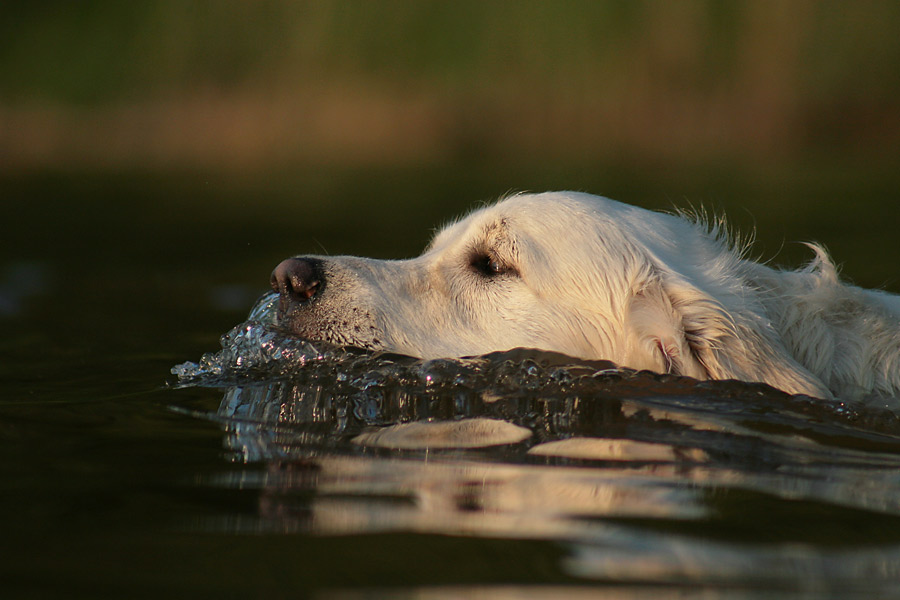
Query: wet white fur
x=599, y=279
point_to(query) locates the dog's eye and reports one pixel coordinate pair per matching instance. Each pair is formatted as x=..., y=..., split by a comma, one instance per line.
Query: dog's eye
x=489, y=265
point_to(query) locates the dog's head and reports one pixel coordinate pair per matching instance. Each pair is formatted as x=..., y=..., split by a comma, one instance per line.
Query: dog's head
x=565, y=271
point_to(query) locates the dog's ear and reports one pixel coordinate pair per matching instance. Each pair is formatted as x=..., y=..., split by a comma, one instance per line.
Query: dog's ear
x=686, y=331
x=660, y=341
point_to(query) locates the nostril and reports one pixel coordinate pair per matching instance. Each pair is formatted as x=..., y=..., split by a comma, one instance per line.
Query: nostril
x=306, y=291
x=298, y=278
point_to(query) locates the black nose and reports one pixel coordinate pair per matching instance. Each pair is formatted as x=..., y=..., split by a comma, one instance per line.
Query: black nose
x=297, y=278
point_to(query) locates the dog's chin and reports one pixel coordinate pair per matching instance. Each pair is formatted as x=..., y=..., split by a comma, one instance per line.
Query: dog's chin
x=298, y=320
x=301, y=321
x=291, y=318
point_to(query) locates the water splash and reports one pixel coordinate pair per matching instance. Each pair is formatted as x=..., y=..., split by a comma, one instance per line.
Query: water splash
x=279, y=378
x=250, y=350
x=258, y=352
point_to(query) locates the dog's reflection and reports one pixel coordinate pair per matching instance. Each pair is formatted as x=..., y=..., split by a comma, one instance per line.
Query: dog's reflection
x=340, y=466
x=630, y=485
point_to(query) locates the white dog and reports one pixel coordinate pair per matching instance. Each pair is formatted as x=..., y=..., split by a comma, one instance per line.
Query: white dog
x=596, y=279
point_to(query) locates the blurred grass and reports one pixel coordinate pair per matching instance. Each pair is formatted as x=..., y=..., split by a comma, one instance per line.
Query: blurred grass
x=353, y=126
x=106, y=50
x=227, y=85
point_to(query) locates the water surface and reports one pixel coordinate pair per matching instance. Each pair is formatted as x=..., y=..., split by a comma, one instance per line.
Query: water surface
x=312, y=469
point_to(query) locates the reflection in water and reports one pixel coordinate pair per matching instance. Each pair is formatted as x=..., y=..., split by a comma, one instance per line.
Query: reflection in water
x=641, y=478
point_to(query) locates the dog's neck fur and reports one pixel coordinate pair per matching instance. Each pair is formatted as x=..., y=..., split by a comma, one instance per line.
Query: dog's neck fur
x=844, y=335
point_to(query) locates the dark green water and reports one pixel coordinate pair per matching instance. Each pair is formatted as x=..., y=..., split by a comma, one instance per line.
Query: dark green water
x=115, y=484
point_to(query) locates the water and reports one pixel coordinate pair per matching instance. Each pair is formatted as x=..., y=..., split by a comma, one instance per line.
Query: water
x=274, y=467
x=641, y=478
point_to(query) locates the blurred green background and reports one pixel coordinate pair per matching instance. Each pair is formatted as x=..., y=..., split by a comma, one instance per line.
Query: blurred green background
x=366, y=123
x=250, y=85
